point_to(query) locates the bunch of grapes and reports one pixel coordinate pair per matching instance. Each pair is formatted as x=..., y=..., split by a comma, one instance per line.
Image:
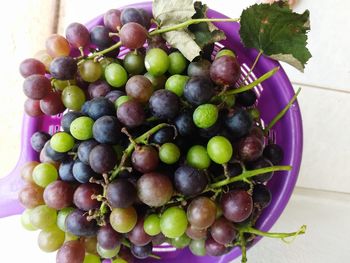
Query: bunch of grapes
x=150, y=150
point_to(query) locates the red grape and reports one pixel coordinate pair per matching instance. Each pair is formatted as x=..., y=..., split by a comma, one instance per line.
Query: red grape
x=32, y=108
x=58, y=195
x=138, y=236
x=140, y=88
x=133, y=35
x=108, y=238
x=121, y=193
x=83, y=196
x=223, y=231
x=131, y=113
x=52, y=104
x=225, y=71
x=201, y=212
x=31, y=196
x=77, y=35
x=36, y=87
x=145, y=159
x=111, y=20
x=31, y=66
x=71, y=252
x=237, y=205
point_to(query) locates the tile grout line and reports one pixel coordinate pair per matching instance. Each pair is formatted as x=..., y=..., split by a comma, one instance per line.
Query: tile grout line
x=320, y=190
x=320, y=87
x=56, y=18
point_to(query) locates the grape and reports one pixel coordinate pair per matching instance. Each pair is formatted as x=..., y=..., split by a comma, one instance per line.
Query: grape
x=173, y=222
x=176, y=84
x=197, y=157
x=156, y=41
x=25, y=220
x=57, y=46
x=31, y=66
x=169, y=153
x=114, y=95
x=164, y=135
x=50, y=240
x=63, y=68
x=107, y=253
x=62, y=142
x=100, y=107
x=141, y=252
x=36, y=87
x=178, y=63
x=116, y=75
x=134, y=63
x=140, y=88
x=196, y=233
x=61, y=217
x=90, y=244
x=58, y=195
x=138, y=236
x=99, y=88
x=38, y=140
x=201, y=212
x=184, y=124
x=164, y=104
x=157, y=61
x=181, y=242
x=223, y=231
x=90, y=258
x=131, y=114
x=32, y=108
x=111, y=20
x=247, y=98
x=121, y=100
x=197, y=247
x=234, y=169
x=65, y=171
x=152, y=225
x=52, y=104
x=213, y=248
x=107, y=238
x=62, y=84
x=225, y=71
x=73, y=97
x=44, y=58
x=225, y=52
x=90, y=71
x=123, y=220
x=237, y=205
x=44, y=174
x=130, y=14
x=102, y=158
x=31, y=196
x=77, y=224
x=121, y=193
x=81, y=128
x=133, y=35
x=261, y=196
x=205, y=116
x=274, y=153
x=107, y=130
x=27, y=171
x=83, y=196
x=100, y=37
x=238, y=122
x=52, y=154
x=200, y=68
x=77, y=35
x=71, y=252
x=258, y=164
x=43, y=217
x=159, y=239
x=157, y=82
x=250, y=148
x=189, y=181
x=84, y=150
x=145, y=159
x=219, y=149
x=154, y=189
x=198, y=90
x=68, y=118
x=82, y=172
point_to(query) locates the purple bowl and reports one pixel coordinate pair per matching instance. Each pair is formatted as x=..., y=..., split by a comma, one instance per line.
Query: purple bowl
x=274, y=94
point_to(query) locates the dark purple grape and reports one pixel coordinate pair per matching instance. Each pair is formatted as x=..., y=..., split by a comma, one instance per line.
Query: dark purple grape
x=68, y=118
x=158, y=239
x=77, y=224
x=133, y=35
x=234, y=169
x=164, y=104
x=108, y=238
x=141, y=252
x=157, y=41
x=274, y=153
x=63, y=68
x=98, y=88
x=223, y=231
x=100, y=37
x=237, y=205
x=85, y=108
x=82, y=172
x=258, y=164
x=114, y=95
x=261, y=196
x=100, y=107
x=71, y=252
x=77, y=35
x=125, y=254
x=52, y=104
x=184, y=124
x=38, y=140
x=131, y=113
x=58, y=195
x=32, y=108
x=102, y=158
x=250, y=148
x=36, y=87
x=200, y=68
x=51, y=153
x=164, y=135
x=130, y=14
x=212, y=130
x=83, y=196
x=247, y=98
x=238, y=122
x=145, y=159
x=146, y=18
x=207, y=50
x=198, y=90
x=84, y=150
x=225, y=71
x=31, y=66
x=258, y=133
x=107, y=130
x=190, y=181
x=111, y=20
x=213, y=248
x=138, y=236
x=121, y=193
x=65, y=171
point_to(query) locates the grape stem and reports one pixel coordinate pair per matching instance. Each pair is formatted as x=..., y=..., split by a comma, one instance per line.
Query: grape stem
x=253, y=66
x=281, y=113
x=243, y=246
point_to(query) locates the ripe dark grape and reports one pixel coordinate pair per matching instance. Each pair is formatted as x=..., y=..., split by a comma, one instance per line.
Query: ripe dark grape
x=31, y=196
x=77, y=224
x=199, y=68
x=146, y=18
x=111, y=20
x=201, y=212
x=131, y=114
x=83, y=196
x=82, y=172
x=65, y=170
x=157, y=41
x=190, y=181
x=141, y=252
x=196, y=233
x=31, y=66
x=52, y=104
x=138, y=236
x=140, y=88
x=238, y=123
x=51, y=153
x=154, y=189
x=213, y=248
x=102, y=158
x=133, y=35
x=108, y=238
x=84, y=150
x=260, y=163
x=211, y=131
x=36, y=86
x=100, y=37
x=198, y=90
x=164, y=135
x=250, y=148
x=247, y=98
x=107, y=130
x=274, y=153
x=234, y=169
x=225, y=71
x=257, y=132
x=99, y=88
x=63, y=68
x=32, y=108
x=164, y=104
x=261, y=196
x=121, y=193
x=38, y=140
x=237, y=205
x=184, y=124
x=100, y=107
x=145, y=159
x=58, y=195
x=77, y=35
x=129, y=15
x=68, y=118
x=114, y=95
x=71, y=252
x=223, y=231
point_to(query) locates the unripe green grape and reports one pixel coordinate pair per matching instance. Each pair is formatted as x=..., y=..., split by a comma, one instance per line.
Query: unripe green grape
x=90, y=258
x=44, y=174
x=151, y=225
x=134, y=63
x=90, y=71
x=51, y=240
x=157, y=61
x=43, y=217
x=62, y=142
x=107, y=253
x=25, y=220
x=197, y=157
x=197, y=247
x=73, y=97
x=205, y=116
x=176, y=84
x=116, y=75
x=181, y=242
x=121, y=100
x=173, y=222
x=225, y=52
x=81, y=128
x=178, y=63
x=169, y=153
x=219, y=149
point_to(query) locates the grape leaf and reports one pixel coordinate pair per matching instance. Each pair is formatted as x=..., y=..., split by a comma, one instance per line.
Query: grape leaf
x=277, y=31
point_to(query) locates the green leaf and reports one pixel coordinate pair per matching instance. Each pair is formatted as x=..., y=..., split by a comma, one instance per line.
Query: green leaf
x=277, y=31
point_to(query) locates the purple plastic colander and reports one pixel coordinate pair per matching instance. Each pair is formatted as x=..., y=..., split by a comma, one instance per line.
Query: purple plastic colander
x=273, y=95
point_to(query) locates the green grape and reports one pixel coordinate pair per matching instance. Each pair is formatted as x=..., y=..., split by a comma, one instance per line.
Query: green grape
x=197, y=157
x=90, y=258
x=105, y=62
x=73, y=97
x=90, y=71
x=121, y=100
x=225, y=52
x=62, y=142
x=178, y=63
x=254, y=113
x=134, y=63
x=157, y=61
x=229, y=100
x=25, y=220
x=44, y=174
x=173, y=222
x=176, y=84
x=151, y=225
x=197, y=247
x=181, y=242
x=107, y=253
x=81, y=128
x=169, y=153
x=219, y=149
x=51, y=240
x=62, y=84
x=61, y=217
x=116, y=75
x=123, y=220
x=205, y=116
x=43, y=217
x=70, y=237
x=119, y=260
x=157, y=82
